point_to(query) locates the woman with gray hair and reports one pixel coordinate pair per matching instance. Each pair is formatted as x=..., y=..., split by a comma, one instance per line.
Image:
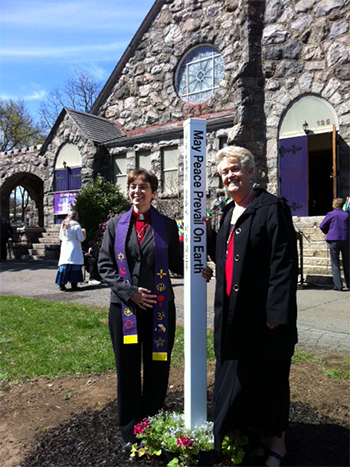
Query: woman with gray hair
x=71, y=254
x=255, y=310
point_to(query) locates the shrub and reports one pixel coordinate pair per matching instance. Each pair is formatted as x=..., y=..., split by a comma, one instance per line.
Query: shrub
x=95, y=203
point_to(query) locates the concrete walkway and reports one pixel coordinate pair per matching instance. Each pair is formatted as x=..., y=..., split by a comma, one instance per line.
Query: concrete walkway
x=323, y=314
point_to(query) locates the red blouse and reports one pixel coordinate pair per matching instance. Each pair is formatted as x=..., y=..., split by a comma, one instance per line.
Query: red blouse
x=141, y=224
x=229, y=261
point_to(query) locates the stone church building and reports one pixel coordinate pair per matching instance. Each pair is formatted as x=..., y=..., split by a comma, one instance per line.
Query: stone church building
x=269, y=75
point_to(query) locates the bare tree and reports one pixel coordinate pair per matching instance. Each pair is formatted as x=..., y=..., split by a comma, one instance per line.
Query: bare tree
x=79, y=92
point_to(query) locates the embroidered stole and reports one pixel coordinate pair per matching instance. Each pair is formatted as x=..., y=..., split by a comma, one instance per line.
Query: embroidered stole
x=160, y=309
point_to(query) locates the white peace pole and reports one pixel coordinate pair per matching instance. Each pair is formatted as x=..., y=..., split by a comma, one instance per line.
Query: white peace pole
x=195, y=287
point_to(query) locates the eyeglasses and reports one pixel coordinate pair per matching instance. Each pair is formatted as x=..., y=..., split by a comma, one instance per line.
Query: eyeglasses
x=139, y=187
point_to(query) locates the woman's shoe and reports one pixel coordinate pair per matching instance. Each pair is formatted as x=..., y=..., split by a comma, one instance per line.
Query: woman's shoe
x=258, y=456
x=277, y=456
x=63, y=288
x=126, y=448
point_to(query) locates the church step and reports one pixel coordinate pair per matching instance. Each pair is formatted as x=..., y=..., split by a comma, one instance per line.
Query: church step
x=44, y=247
x=317, y=269
x=316, y=261
x=318, y=279
x=48, y=240
x=52, y=234
x=314, y=253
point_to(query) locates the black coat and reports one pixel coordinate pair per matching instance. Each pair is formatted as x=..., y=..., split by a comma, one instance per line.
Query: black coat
x=140, y=260
x=264, y=282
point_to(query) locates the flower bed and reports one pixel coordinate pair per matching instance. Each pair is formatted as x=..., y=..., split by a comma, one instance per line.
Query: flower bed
x=165, y=436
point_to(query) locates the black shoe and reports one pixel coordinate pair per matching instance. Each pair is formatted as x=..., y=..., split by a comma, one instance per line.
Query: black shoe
x=63, y=288
x=126, y=448
x=258, y=456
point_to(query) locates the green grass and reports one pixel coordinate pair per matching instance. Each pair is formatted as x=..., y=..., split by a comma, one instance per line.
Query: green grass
x=177, y=356
x=50, y=339
x=39, y=338
x=301, y=356
x=336, y=372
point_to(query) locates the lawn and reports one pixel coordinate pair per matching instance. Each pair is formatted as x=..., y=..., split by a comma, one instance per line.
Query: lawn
x=52, y=339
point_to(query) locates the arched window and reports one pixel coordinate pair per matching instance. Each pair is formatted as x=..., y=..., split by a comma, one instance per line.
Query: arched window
x=199, y=74
x=68, y=169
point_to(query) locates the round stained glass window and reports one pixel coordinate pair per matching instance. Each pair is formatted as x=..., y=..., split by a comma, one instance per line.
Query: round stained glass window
x=199, y=74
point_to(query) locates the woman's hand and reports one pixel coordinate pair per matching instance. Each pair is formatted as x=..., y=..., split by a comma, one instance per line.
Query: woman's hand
x=207, y=273
x=271, y=325
x=143, y=298
x=208, y=224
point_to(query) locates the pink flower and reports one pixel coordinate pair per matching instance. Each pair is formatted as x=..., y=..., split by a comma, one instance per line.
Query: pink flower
x=184, y=441
x=141, y=427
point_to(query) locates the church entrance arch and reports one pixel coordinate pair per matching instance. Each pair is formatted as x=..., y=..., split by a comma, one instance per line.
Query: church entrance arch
x=308, y=162
x=35, y=188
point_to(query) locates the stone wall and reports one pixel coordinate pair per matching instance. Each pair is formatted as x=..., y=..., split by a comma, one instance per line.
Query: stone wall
x=306, y=50
x=37, y=165
x=275, y=51
x=68, y=132
x=145, y=94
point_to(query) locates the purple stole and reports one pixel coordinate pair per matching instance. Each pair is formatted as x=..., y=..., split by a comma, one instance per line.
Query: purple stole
x=160, y=310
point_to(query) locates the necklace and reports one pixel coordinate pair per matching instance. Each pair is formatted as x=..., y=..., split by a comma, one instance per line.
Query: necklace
x=139, y=232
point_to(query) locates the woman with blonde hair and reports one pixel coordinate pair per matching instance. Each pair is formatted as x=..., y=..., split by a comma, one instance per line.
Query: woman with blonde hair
x=71, y=254
x=255, y=310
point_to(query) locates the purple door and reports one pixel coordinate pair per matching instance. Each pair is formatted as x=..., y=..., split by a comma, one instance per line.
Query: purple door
x=294, y=173
x=68, y=179
x=61, y=180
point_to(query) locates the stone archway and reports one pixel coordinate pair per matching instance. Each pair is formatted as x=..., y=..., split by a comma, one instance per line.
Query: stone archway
x=35, y=188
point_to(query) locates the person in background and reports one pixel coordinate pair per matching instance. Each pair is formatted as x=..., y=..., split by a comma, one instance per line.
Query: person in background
x=90, y=263
x=71, y=255
x=138, y=251
x=6, y=234
x=255, y=310
x=336, y=227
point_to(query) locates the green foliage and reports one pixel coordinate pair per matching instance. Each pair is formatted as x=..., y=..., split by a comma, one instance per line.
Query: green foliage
x=95, y=203
x=232, y=447
x=17, y=127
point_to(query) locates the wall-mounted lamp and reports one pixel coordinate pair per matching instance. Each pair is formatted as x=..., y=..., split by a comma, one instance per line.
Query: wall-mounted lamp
x=306, y=127
x=64, y=165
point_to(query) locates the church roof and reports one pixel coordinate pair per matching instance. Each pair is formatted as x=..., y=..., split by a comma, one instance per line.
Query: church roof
x=97, y=129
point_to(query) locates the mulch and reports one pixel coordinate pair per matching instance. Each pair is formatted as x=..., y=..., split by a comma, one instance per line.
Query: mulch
x=92, y=439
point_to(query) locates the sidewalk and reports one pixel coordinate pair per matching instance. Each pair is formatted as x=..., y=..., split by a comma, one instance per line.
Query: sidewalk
x=323, y=314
